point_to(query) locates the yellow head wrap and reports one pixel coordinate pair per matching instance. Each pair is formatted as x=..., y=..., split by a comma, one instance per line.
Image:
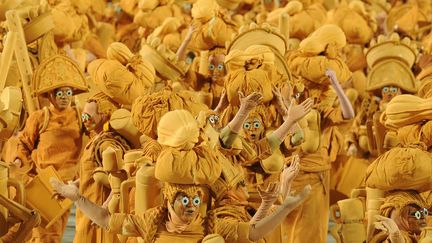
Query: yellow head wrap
x=321, y=38
x=178, y=129
x=399, y=199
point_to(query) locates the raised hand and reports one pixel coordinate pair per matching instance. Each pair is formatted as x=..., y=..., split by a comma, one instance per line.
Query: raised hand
x=270, y=195
x=280, y=104
x=251, y=101
x=389, y=225
x=69, y=191
x=223, y=103
x=288, y=175
x=296, y=112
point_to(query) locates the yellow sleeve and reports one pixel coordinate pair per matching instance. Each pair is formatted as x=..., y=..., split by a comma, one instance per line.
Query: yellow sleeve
x=227, y=137
x=29, y=136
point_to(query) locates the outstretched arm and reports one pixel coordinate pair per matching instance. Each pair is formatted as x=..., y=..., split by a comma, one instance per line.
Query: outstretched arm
x=97, y=214
x=347, y=109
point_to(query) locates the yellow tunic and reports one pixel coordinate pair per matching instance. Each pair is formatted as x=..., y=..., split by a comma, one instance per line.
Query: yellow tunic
x=59, y=145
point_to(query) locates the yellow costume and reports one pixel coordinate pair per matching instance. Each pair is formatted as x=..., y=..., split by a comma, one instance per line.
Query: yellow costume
x=52, y=137
x=97, y=193
x=152, y=225
x=123, y=76
x=323, y=140
x=407, y=166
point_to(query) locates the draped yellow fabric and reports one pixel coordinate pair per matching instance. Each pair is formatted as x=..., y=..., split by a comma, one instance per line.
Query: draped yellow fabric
x=122, y=83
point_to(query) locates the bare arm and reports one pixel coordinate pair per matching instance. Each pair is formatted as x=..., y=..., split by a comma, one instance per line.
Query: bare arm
x=347, y=109
x=97, y=214
x=181, y=52
x=269, y=223
x=295, y=113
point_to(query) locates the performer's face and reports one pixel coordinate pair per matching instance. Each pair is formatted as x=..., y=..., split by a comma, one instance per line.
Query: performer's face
x=61, y=98
x=389, y=92
x=216, y=67
x=186, y=207
x=91, y=117
x=253, y=129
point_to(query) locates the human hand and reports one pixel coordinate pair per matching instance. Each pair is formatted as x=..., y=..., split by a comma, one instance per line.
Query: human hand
x=223, y=103
x=251, y=101
x=331, y=74
x=191, y=30
x=389, y=225
x=296, y=112
x=62, y=190
x=280, y=104
x=288, y=175
x=270, y=195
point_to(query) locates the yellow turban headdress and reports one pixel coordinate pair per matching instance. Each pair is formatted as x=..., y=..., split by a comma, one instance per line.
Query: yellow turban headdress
x=178, y=129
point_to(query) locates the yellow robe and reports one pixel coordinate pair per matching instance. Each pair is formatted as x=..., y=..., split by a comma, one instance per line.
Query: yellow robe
x=58, y=146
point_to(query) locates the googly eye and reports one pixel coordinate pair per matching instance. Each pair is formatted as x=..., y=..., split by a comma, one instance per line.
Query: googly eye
x=418, y=215
x=69, y=92
x=246, y=125
x=211, y=67
x=216, y=118
x=83, y=117
x=220, y=67
x=257, y=125
x=394, y=90
x=59, y=94
x=385, y=89
x=185, y=201
x=425, y=212
x=196, y=201
x=212, y=120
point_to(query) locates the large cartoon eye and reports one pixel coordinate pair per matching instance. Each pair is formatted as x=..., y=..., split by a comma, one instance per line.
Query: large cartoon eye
x=418, y=215
x=69, y=92
x=257, y=124
x=185, y=201
x=220, y=67
x=425, y=212
x=246, y=125
x=212, y=120
x=196, y=201
x=394, y=90
x=386, y=89
x=59, y=94
x=211, y=67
